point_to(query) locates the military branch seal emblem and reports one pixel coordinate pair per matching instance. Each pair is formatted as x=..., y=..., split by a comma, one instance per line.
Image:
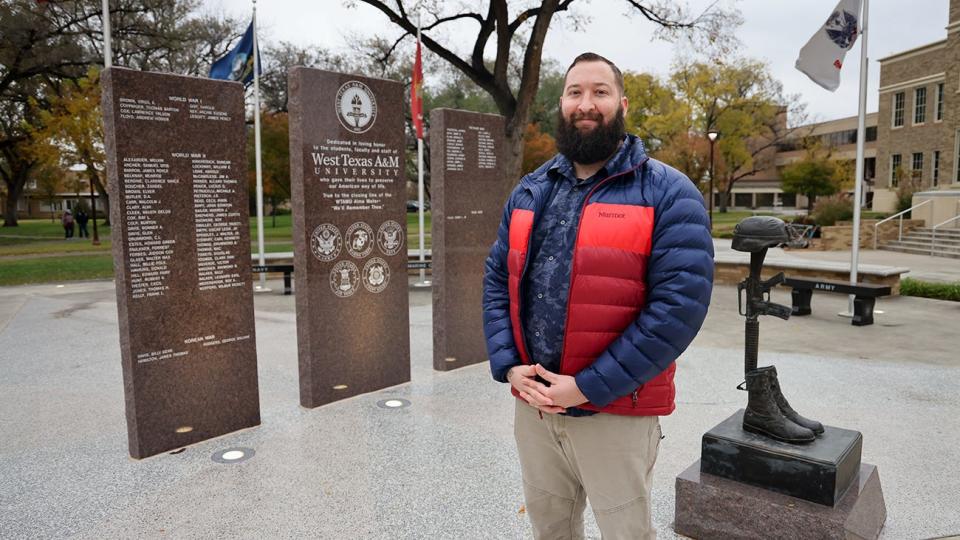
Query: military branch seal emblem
x=359, y=240
x=841, y=27
x=326, y=242
x=344, y=279
x=390, y=238
x=376, y=275
x=356, y=107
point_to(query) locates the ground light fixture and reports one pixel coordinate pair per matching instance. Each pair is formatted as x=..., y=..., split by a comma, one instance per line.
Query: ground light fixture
x=235, y=454
x=393, y=403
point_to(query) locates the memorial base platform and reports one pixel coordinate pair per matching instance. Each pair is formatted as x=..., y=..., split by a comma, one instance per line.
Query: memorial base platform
x=709, y=506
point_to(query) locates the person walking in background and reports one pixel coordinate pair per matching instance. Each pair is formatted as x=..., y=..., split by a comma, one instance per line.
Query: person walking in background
x=82, y=219
x=67, y=222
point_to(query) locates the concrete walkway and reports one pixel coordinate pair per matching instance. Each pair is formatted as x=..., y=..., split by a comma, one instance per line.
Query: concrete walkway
x=445, y=467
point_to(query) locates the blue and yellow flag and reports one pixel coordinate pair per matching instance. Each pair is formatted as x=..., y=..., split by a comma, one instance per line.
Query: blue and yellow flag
x=237, y=65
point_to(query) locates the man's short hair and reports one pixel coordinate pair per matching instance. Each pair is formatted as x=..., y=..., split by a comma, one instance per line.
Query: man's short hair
x=594, y=57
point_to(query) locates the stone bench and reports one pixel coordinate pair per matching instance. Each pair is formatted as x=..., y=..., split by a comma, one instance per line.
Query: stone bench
x=286, y=269
x=732, y=266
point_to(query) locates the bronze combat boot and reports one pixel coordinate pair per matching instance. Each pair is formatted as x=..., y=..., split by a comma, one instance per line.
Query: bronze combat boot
x=763, y=415
x=812, y=425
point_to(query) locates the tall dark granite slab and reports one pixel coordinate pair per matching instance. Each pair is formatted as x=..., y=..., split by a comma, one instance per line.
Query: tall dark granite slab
x=709, y=506
x=820, y=471
x=466, y=169
x=176, y=170
x=349, y=233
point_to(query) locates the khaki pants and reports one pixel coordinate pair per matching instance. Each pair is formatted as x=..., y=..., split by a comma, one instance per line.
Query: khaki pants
x=606, y=458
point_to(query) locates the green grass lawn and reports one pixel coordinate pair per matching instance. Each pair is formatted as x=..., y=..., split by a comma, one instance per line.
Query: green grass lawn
x=46, y=229
x=28, y=251
x=55, y=269
x=41, y=237
x=723, y=223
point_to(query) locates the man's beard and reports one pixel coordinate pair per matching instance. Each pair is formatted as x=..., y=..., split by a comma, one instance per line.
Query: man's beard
x=591, y=146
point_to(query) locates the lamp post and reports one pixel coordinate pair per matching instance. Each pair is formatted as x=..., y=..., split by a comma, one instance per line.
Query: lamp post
x=712, y=135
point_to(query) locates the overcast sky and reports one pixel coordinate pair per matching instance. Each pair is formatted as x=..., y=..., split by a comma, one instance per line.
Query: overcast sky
x=773, y=30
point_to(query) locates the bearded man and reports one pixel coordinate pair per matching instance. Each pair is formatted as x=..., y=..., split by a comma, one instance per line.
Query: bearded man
x=599, y=279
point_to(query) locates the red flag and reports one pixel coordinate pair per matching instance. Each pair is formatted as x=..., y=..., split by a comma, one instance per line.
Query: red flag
x=416, y=98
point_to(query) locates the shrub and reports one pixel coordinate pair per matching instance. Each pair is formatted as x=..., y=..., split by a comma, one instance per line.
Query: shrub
x=830, y=210
x=926, y=289
x=908, y=185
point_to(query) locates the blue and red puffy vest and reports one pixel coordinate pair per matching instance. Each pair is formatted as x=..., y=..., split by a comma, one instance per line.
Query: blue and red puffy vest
x=640, y=283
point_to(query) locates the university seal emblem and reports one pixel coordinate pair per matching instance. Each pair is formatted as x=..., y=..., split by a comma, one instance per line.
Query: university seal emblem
x=356, y=107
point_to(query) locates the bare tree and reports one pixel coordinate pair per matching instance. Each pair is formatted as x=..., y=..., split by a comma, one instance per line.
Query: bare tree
x=47, y=47
x=529, y=23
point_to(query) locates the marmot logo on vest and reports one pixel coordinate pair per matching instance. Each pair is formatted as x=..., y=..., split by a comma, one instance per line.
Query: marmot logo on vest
x=612, y=215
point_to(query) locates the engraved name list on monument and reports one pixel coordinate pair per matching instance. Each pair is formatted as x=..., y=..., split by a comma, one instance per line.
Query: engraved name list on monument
x=347, y=180
x=175, y=163
x=466, y=211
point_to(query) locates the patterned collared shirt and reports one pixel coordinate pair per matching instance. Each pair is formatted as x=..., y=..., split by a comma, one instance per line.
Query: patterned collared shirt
x=547, y=279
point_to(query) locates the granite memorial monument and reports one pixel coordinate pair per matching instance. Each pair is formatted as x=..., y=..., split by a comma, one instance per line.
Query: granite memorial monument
x=176, y=169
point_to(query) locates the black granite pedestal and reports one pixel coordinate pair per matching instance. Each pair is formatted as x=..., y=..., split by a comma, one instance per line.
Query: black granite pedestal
x=750, y=486
x=820, y=471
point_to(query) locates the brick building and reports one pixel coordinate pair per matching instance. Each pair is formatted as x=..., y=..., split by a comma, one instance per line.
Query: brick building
x=763, y=191
x=918, y=135
x=71, y=190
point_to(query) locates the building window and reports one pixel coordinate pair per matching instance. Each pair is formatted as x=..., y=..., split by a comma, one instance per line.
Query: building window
x=869, y=168
x=916, y=171
x=939, y=116
x=956, y=156
x=895, y=161
x=789, y=200
x=936, y=167
x=743, y=200
x=898, y=100
x=920, y=105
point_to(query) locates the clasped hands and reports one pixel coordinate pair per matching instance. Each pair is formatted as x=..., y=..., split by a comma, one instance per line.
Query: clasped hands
x=562, y=392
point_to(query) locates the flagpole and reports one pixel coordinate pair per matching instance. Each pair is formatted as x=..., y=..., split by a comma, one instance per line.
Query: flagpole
x=107, y=62
x=420, y=211
x=107, y=47
x=861, y=136
x=262, y=287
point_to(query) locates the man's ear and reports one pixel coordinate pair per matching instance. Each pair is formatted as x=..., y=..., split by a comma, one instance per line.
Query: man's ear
x=625, y=104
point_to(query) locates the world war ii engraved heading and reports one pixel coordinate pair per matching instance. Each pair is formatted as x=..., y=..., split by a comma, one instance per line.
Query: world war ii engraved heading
x=356, y=107
x=325, y=242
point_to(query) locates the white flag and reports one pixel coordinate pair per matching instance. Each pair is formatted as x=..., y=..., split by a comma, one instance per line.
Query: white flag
x=822, y=57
